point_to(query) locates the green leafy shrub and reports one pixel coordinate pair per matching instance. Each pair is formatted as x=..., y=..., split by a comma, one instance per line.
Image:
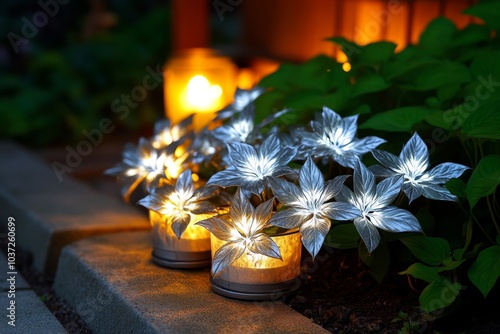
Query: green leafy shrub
x=446, y=87
x=58, y=80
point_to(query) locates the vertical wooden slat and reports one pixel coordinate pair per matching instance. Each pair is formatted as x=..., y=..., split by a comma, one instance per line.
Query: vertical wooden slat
x=337, y=25
x=190, y=21
x=397, y=29
x=424, y=11
x=369, y=25
x=294, y=31
x=348, y=19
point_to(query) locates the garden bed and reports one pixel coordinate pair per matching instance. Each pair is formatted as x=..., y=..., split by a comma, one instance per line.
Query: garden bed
x=339, y=294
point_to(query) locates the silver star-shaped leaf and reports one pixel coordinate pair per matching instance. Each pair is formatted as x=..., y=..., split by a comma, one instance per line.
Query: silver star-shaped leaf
x=250, y=168
x=373, y=201
x=242, y=98
x=165, y=133
x=202, y=148
x=335, y=138
x=238, y=129
x=180, y=202
x=413, y=165
x=141, y=164
x=308, y=205
x=243, y=232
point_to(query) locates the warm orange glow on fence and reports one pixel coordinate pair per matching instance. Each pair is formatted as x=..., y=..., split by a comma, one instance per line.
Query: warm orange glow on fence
x=295, y=30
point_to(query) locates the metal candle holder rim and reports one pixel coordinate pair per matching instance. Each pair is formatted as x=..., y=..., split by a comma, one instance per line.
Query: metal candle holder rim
x=241, y=291
x=190, y=260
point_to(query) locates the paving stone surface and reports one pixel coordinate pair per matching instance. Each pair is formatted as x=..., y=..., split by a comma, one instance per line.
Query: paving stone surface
x=30, y=315
x=51, y=213
x=21, y=283
x=112, y=283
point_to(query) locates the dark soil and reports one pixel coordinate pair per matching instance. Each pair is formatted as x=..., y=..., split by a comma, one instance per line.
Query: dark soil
x=339, y=294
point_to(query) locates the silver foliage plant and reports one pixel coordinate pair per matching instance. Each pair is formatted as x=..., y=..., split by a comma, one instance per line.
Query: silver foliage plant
x=181, y=201
x=334, y=137
x=238, y=153
x=309, y=205
x=165, y=133
x=413, y=165
x=243, y=230
x=250, y=168
x=373, y=202
x=143, y=164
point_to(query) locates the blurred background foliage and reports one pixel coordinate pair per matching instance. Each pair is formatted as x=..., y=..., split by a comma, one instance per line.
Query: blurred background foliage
x=65, y=77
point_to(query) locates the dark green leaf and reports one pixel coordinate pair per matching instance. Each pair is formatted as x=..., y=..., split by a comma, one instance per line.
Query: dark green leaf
x=342, y=236
x=451, y=119
x=450, y=264
x=362, y=110
x=484, y=122
x=485, y=67
x=473, y=33
x=428, y=249
x=485, y=271
x=304, y=100
x=267, y=103
x=281, y=78
x=456, y=187
x=484, y=179
x=439, y=294
x=368, y=84
x=351, y=49
x=458, y=254
x=377, y=261
x=377, y=52
x=433, y=102
x=437, y=35
x=489, y=12
x=398, y=120
x=423, y=272
x=406, y=62
x=447, y=92
x=337, y=101
x=435, y=76
x=321, y=73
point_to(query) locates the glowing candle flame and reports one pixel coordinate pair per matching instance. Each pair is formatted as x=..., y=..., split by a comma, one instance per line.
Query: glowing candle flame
x=201, y=95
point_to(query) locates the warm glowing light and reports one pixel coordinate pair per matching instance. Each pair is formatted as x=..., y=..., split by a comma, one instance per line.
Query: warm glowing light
x=199, y=82
x=202, y=96
x=194, y=239
x=342, y=57
x=246, y=78
x=344, y=60
x=262, y=67
x=253, y=268
x=172, y=168
x=195, y=177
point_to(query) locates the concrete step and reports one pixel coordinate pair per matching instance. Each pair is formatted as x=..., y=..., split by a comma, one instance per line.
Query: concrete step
x=112, y=283
x=23, y=311
x=51, y=211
